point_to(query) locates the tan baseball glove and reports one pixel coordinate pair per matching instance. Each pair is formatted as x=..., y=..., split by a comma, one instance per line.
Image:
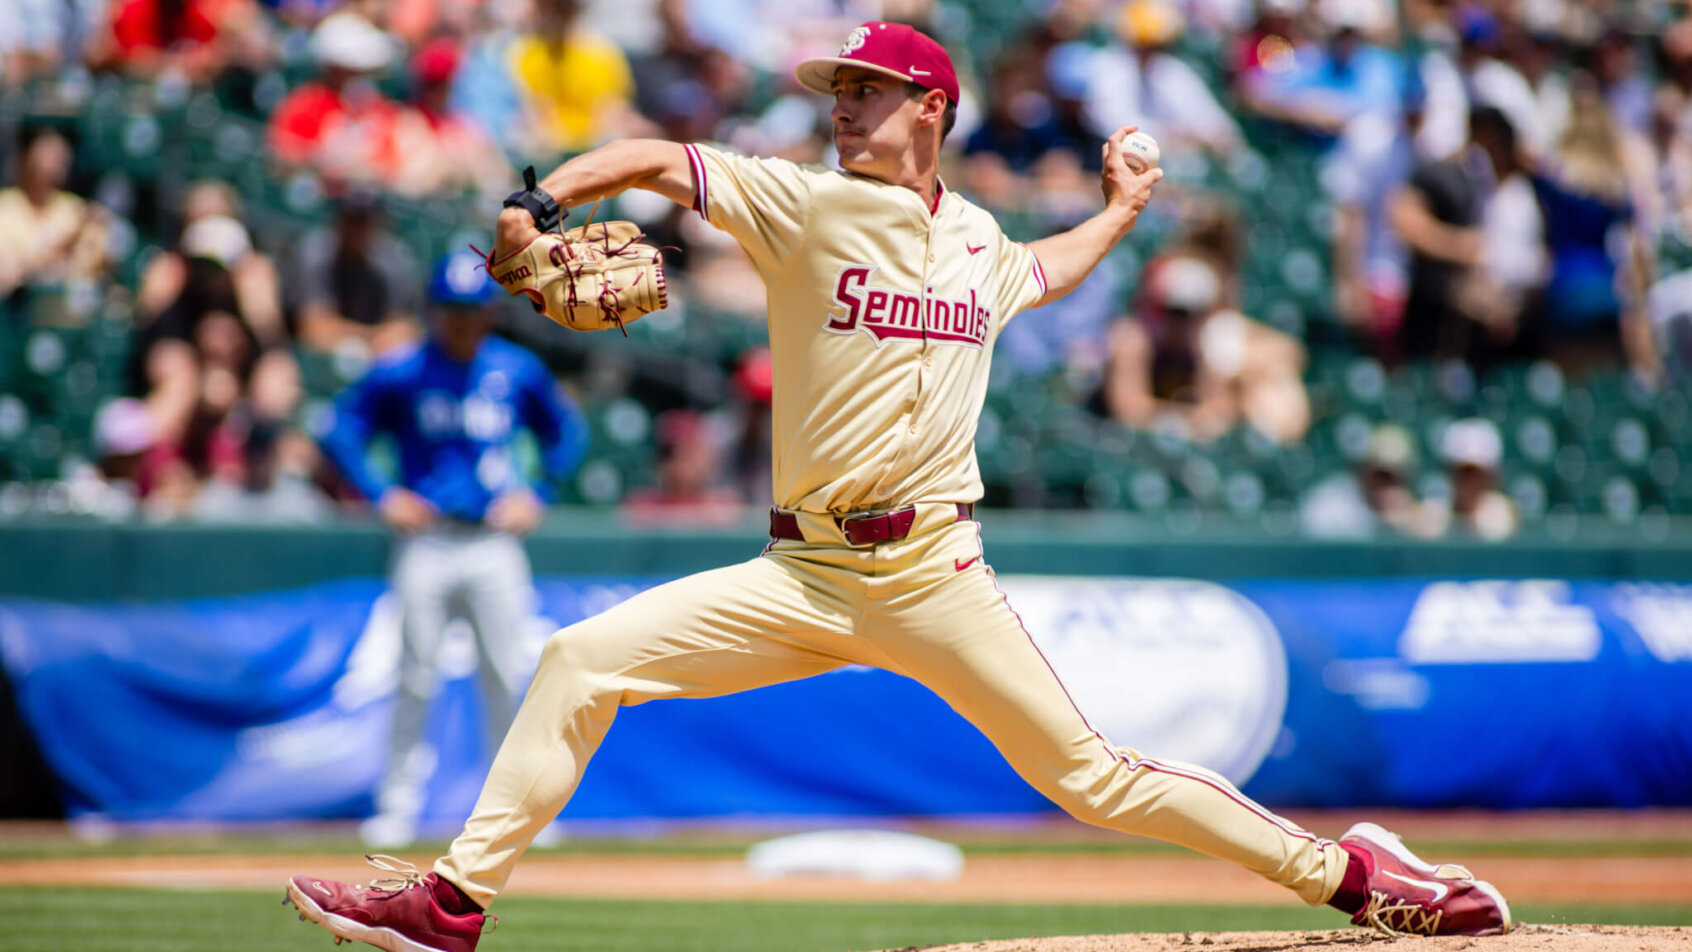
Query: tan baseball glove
x=587, y=279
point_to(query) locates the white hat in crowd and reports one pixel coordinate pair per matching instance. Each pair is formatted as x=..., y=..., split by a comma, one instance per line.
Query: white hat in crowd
x=1187, y=284
x=1472, y=442
x=218, y=237
x=124, y=427
x=349, y=41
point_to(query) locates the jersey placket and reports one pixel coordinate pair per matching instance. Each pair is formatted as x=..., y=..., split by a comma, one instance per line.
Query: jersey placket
x=922, y=354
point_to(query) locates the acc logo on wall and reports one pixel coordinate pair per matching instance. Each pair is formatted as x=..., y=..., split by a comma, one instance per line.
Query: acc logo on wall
x=1178, y=670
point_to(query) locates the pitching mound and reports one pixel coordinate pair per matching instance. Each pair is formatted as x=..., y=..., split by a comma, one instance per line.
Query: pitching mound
x=1527, y=937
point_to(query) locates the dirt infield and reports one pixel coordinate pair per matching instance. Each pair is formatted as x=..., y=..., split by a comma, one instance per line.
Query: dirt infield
x=1534, y=938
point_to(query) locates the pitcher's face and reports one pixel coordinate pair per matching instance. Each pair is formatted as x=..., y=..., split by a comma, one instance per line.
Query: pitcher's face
x=875, y=121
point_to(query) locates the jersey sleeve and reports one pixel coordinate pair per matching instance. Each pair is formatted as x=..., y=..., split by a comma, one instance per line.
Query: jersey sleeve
x=557, y=424
x=1021, y=282
x=361, y=411
x=764, y=204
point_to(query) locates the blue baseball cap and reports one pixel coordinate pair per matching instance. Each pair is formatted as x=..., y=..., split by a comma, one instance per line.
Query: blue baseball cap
x=461, y=279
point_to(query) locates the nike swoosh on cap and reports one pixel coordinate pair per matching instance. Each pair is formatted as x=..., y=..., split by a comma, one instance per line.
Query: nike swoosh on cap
x=921, y=72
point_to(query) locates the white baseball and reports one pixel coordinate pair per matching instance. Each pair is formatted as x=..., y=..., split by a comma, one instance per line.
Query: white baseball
x=1141, y=153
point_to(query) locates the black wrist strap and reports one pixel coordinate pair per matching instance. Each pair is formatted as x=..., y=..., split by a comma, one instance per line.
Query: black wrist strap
x=534, y=200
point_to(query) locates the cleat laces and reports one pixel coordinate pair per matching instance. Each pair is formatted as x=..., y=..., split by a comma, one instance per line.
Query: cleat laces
x=1399, y=919
x=405, y=874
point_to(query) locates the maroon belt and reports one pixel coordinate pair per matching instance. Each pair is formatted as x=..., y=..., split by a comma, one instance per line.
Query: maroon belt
x=861, y=528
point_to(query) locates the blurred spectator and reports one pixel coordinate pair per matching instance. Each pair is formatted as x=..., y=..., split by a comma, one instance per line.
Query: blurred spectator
x=48, y=236
x=1474, y=451
x=1614, y=63
x=1143, y=82
x=1268, y=47
x=353, y=284
x=1373, y=159
x=1600, y=267
x=635, y=26
x=1535, y=49
x=1669, y=305
x=1666, y=202
x=41, y=37
x=212, y=229
x=751, y=427
x=194, y=39
x=484, y=91
x=1476, y=78
x=1440, y=215
x=415, y=22
x=576, y=85
x=440, y=150
x=1376, y=497
x=1675, y=52
x=691, y=88
x=1324, y=86
x=1071, y=332
x=1189, y=364
x=124, y=437
x=1022, y=124
x=453, y=405
x=1505, y=289
x=278, y=484
x=340, y=124
x=149, y=37
x=216, y=396
x=691, y=485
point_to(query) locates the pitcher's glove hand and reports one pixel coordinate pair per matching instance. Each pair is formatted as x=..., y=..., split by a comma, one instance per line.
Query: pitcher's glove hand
x=589, y=278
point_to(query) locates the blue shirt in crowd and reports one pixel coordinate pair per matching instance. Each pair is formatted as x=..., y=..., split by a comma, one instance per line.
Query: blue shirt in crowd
x=453, y=425
x=1578, y=228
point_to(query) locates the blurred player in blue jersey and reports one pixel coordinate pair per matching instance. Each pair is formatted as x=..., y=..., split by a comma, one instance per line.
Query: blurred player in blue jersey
x=452, y=406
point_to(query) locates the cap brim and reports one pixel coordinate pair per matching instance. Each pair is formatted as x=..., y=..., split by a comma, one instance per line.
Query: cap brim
x=817, y=75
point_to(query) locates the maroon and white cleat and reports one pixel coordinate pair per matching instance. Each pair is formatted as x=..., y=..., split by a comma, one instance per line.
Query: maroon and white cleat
x=1409, y=896
x=398, y=913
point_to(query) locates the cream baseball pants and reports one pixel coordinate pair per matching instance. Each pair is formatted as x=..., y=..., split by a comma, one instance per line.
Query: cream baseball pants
x=803, y=608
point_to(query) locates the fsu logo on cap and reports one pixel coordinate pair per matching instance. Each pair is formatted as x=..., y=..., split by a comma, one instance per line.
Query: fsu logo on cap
x=854, y=40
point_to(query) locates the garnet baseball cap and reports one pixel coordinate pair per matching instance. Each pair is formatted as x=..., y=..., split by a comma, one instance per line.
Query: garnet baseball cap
x=892, y=48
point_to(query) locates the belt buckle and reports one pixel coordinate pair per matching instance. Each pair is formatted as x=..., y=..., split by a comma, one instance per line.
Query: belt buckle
x=846, y=525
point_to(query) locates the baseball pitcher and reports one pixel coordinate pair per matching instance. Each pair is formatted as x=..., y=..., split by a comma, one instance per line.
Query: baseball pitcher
x=886, y=293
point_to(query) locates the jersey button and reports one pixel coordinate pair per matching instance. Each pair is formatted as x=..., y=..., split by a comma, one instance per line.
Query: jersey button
x=928, y=360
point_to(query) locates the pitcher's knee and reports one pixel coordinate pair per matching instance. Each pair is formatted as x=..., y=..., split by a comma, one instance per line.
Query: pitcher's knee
x=568, y=654
x=1080, y=792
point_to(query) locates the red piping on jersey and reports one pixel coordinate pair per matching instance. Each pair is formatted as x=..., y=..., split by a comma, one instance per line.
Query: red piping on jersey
x=939, y=190
x=700, y=189
x=1147, y=763
x=1039, y=272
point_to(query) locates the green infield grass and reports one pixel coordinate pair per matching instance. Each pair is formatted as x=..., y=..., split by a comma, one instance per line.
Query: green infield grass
x=164, y=920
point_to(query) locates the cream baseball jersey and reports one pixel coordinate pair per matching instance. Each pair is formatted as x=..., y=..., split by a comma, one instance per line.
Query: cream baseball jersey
x=883, y=315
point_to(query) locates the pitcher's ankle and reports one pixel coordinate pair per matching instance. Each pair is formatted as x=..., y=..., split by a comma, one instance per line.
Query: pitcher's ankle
x=1353, y=889
x=452, y=898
